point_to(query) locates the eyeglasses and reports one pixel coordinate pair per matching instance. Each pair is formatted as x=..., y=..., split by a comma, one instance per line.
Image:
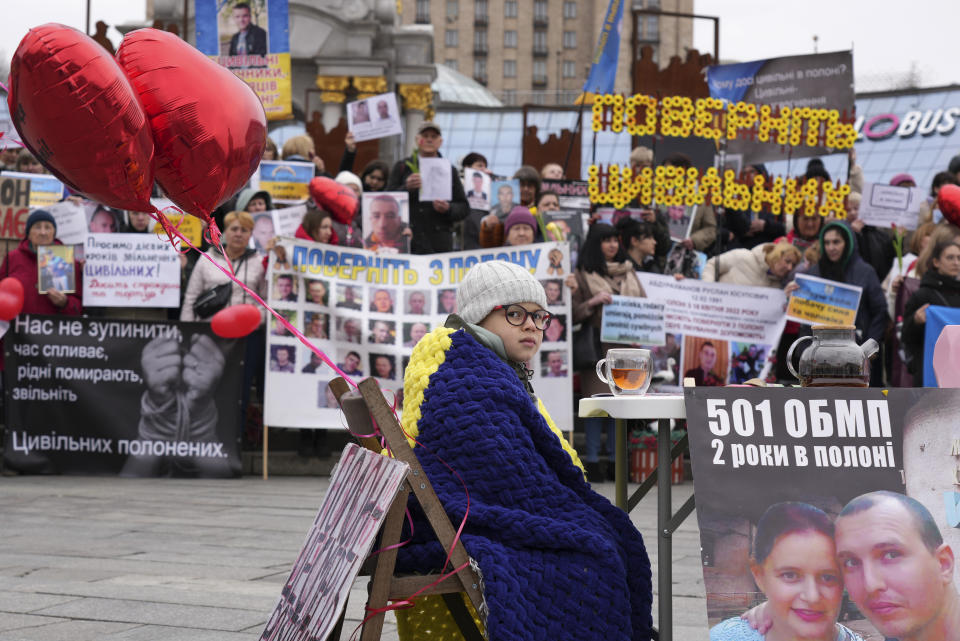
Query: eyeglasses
x=516, y=315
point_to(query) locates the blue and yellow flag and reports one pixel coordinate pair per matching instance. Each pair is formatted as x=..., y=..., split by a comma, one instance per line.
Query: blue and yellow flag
x=603, y=72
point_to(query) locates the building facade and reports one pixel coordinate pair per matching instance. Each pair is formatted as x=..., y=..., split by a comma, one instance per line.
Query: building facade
x=540, y=51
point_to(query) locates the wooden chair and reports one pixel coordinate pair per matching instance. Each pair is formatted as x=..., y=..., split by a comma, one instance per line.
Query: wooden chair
x=359, y=406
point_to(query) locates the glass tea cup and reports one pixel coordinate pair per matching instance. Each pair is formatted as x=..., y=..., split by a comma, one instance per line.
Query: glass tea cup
x=626, y=371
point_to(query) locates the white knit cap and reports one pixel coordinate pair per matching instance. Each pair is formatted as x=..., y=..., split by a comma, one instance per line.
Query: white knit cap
x=493, y=283
x=349, y=178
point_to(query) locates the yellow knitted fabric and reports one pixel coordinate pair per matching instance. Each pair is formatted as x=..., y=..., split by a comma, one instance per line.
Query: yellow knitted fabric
x=427, y=357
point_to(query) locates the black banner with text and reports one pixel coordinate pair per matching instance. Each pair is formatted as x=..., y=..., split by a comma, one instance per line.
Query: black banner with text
x=137, y=398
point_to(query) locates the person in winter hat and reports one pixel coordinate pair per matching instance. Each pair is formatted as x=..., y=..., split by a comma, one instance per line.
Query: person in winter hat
x=469, y=406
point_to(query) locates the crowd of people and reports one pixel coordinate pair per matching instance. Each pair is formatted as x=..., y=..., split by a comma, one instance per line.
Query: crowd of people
x=738, y=247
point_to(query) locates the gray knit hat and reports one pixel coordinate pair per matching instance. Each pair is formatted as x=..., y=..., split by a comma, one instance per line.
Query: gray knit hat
x=493, y=283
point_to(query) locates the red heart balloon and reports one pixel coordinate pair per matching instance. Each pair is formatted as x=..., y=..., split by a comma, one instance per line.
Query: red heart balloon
x=948, y=202
x=11, y=298
x=76, y=111
x=209, y=127
x=331, y=196
x=236, y=321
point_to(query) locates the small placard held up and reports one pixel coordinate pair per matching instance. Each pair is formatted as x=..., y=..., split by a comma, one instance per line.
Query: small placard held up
x=361, y=491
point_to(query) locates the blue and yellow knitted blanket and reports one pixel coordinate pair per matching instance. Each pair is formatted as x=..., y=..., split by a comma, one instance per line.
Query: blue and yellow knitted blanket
x=558, y=560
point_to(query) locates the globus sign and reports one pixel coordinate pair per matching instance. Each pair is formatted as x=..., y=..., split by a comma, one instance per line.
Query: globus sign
x=925, y=123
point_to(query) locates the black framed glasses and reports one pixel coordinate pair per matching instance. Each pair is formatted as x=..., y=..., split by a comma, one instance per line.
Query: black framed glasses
x=517, y=316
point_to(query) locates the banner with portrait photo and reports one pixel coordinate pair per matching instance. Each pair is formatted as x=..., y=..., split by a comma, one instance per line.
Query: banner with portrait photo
x=789, y=478
x=477, y=185
x=366, y=311
x=374, y=117
x=251, y=38
x=716, y=333
x=506, y=194
x=386, y=219
x=106, y=396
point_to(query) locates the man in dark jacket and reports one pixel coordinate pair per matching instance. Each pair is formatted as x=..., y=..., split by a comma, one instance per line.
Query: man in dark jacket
x=432, y=222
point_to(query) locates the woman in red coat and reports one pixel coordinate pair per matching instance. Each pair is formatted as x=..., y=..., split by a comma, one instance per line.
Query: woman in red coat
x=21, y=263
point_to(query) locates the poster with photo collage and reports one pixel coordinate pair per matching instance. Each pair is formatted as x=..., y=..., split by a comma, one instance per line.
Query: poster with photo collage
x=367, y=312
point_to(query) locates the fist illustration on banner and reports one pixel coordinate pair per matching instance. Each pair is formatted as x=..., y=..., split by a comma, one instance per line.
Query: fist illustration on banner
x=160, y=363
x=202, y=367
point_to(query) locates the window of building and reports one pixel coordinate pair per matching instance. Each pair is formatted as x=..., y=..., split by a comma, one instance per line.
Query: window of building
x=539, y=70
x=539, y=98
x=452, y=63
x=480, y=68
x=569, y=9
x=450, y=38
x=423, y=12
x=653, y=27
x=540, y=9
x=510, y=97
x=480, y=40
x=509, y=68
x=569, y=69
x=540, y=40
x=569, y=39
x=510, y=39
x=510, y=9
x=480, y=9
x=453, y=8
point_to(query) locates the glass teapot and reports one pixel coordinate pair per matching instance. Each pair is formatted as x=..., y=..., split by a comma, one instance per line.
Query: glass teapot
x=834, y=359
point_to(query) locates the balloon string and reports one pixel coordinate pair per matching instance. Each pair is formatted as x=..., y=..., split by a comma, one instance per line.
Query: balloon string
x=173, y=231
x=406, y=603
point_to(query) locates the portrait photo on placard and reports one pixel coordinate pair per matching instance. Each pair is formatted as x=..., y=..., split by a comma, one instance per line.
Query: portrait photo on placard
x=446, y=301
x=506, y=194
x=316, y=325
x=553, y=363
x=382, y=332
x=102, y=219
x=283, y=358
x=350, y=361
x=748, y=361
x=243, y=28
x=554, y=290
x=263, y=231
x=317, y=291
x=417, y=301
x=477, y=184
x=386, y=221
x=706, y=361
x=279, y=329
x=349, y=330
x=413, y=332
x=374, y=117
x=285, y=288
x=436, y=175
x=313, y=363
x=556, y=330
x=383, y=366
x=349, y=297
x=381, y=300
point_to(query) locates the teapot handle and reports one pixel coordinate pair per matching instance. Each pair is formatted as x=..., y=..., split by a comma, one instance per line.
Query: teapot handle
x=796, y=344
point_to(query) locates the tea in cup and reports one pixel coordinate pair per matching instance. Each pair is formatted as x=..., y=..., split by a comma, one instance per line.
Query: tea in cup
x=626, y=371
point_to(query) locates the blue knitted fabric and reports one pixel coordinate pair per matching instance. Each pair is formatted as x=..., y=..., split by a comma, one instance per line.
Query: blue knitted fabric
x=558, y=560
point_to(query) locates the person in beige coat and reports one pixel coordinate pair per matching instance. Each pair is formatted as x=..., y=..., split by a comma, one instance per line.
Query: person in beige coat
x=767, y=265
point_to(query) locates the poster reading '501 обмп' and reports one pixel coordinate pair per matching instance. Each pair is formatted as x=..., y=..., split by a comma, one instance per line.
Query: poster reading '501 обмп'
x=252, y=39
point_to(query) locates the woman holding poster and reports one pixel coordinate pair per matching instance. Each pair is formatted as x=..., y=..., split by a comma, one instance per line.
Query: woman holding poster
x=939, y=286
x=794, y=565
x=839, y=261
x=602, y=271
